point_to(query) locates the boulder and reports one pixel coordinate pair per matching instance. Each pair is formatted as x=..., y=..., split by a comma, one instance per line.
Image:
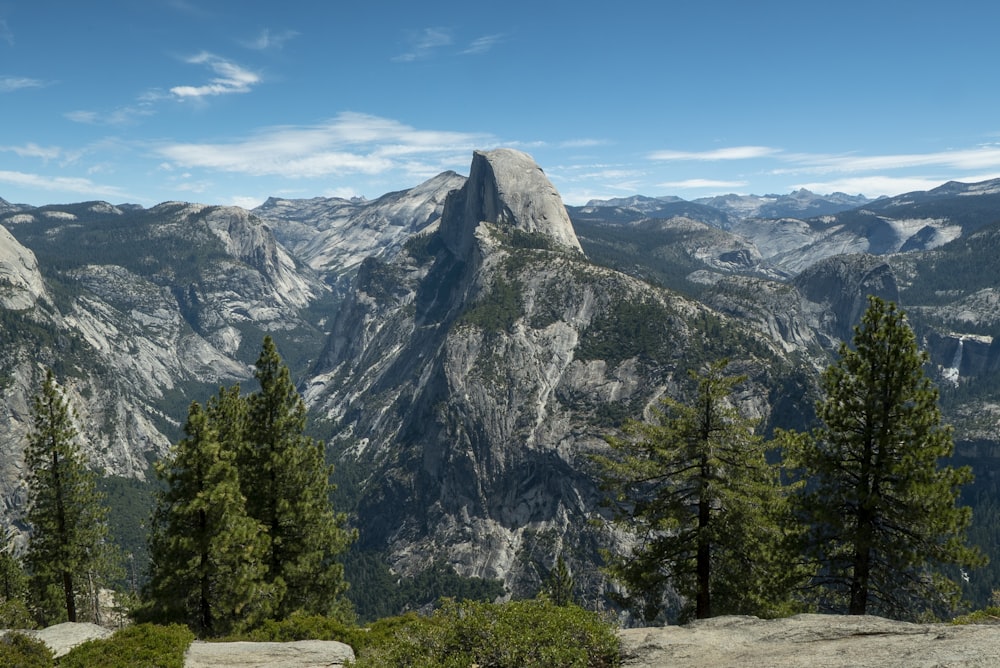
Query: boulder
x=299, y=654
x=817, y=641
x=61, y=638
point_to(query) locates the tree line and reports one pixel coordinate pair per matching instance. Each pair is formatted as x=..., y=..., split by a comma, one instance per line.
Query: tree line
x=859, y=515
x=243, y=529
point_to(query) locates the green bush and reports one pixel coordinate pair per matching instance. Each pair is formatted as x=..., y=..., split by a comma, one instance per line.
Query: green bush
x=139, y=646
x=534, y=633
x=18, y=650
x=14, y=614
x=989, y=615
x=300, y=626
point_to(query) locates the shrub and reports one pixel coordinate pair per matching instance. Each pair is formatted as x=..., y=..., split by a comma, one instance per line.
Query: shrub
x=299, y=626
x=21, y=651
x=533, y=633
x=139, y=646
x=14, y=614
x=990, y=615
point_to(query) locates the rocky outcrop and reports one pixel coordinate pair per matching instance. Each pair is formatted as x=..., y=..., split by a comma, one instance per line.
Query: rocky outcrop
x=334, y=236
x=61, y=638
x=21, y=284
x=298, y=654
x=817, y=641
x=506, y=188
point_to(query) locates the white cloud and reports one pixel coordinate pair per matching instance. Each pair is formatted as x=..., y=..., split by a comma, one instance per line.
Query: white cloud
x=483, y=44
x=270, y=40
x=730, y=153
x=11, y=84
x=879, y=185
x=5, y=33
x=582, y=143
x=231, y=78
x=32, y=150
x=425, y=42
x=120, y=116
x=349, y=143
x=62, y=184
x=975, y=158
x=702, y=183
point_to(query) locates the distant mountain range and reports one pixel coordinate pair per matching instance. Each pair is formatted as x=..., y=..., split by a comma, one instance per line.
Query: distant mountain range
x=799, y=204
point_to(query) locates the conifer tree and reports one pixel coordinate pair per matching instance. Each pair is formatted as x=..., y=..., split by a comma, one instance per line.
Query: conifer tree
x=68, y=554
x=705, y=507
x=559, y=585
x=207, y=555
x=881, y=508
x=287, y=484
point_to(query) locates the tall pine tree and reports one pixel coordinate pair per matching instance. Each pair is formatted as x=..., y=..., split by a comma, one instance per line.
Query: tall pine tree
x=287, y=484
x=207, y=555
x=704, y=505
x=68, y=553
x=882, y=509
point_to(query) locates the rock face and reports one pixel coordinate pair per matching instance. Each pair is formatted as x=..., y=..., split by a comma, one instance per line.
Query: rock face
x=334, y=236
x=511, y=191
x=299, y=654
x=471, y=377
x=61, y=638
x=817, y=641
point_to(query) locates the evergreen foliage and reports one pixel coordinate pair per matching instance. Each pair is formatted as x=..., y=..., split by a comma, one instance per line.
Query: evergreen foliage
x=13, y=588
x=705, y=506
x=138, y=646
x=18, y=650
x=286, y=481
x=559, y=585
x=376, y=592
x=68, y=556
x=881, y=509
x=245, y=530
x=207, y=568
x=508, y=635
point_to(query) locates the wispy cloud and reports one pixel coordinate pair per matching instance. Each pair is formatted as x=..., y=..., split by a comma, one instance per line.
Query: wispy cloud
x=267, y=39
x=424, y=43
x=6, y=35
x=120, y=116
x=984, y=157
x=483, y=44
x=10, y=84
x=62, y=184
x=349, y=143
x=32, y=150
x=691, y=184
x=875, y=185
x=230, y=78
x=730, y=153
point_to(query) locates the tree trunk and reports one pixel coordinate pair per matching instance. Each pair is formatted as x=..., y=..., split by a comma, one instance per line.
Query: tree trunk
x=703, y=559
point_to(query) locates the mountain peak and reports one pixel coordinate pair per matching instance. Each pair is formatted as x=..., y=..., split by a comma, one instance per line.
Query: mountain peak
x=506, y=187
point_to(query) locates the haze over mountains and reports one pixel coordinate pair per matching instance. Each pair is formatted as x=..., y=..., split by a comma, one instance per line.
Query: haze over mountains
x=465, y=344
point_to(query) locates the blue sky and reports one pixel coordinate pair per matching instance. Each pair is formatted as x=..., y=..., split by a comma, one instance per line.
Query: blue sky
x=229, y=102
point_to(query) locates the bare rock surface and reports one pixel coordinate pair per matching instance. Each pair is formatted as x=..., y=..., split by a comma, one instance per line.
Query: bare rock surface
x=817, y=641
x=299, y=654
x=61, y=638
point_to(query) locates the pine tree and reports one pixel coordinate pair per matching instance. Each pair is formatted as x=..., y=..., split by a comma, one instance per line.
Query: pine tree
x=68, y=554
x=559, y=585
x=287, y=484
x=880, y=506
x=207, y=555
x=704, y=505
